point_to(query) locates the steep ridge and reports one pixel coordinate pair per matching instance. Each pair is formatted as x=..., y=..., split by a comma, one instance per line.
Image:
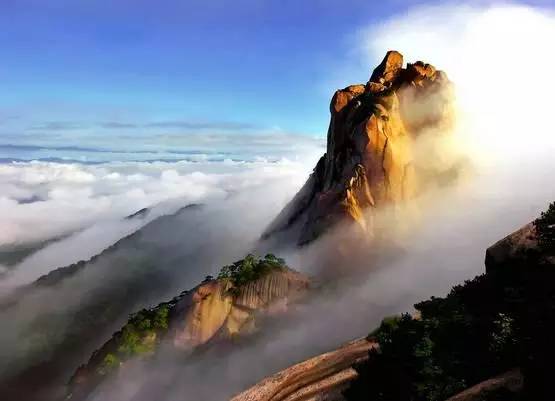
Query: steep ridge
x=216, y=310
x=370, y=160
x=11, y=256
x=141, y=268
x=57, y=275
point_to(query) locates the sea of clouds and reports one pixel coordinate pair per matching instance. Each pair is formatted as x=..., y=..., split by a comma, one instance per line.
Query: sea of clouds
x=82, y=207
x=502, y=71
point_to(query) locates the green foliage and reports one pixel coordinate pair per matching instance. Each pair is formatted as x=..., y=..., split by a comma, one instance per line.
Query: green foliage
x=109, y=363
x=132, y=341
x=457, y=341
x=503, y=334
x=250, y=268
x=139, y=335
x=387, y=326
x=486, y=327
x=545, y=227
x=411, y=341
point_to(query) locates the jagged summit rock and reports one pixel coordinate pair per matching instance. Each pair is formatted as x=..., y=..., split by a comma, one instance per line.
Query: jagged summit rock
x=370, y=158
x=389, y=69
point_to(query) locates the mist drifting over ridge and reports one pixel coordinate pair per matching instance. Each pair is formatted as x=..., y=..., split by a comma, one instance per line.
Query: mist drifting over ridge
x=447, y=245
x=444, y=247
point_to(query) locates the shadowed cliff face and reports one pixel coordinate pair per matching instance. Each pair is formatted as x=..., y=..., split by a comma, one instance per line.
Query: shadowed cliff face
x=370, y=160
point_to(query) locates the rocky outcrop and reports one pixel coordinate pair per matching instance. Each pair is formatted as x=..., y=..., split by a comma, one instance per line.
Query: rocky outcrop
x=217, y=309
x=511, y=382
x=516, y=248
x=370, y=159
x=214, y=311
x=319, y=378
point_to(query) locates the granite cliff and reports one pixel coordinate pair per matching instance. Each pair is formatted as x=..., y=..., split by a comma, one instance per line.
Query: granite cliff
x=371, y=159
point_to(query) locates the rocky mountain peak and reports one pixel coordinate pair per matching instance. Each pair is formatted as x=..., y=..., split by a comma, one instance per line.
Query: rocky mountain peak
x=370, y=160
x=389, y=69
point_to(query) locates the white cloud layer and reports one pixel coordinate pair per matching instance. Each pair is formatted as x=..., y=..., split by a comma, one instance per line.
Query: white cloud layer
x=68, y=197
x=87, y=203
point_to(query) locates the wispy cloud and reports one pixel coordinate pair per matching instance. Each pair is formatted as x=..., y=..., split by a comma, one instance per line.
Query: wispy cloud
x=184, y=124
x=57, y=126
x=118, y=125
x=130, y=144
x=189, y=125
x=204, y=125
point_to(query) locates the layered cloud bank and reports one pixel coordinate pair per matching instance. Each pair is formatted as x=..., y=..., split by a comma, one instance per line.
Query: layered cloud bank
x=82, y=207
x=41, y=200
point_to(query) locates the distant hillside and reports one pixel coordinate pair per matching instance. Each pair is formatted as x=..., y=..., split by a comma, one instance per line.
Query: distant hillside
x=81, y=301
x=12, y=255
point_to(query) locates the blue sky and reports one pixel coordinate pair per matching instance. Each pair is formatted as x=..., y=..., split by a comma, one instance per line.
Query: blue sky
x=71, y=69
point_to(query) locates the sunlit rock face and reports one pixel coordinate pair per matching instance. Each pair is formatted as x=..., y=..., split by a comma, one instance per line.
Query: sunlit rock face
x=217, y=310
x=370, y=160
x=212, y=312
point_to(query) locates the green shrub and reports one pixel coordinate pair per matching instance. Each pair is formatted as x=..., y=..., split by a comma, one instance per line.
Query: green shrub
x=250, y=268
x=486, y=327
x=141, y=332
x=545, y=228
x=387, y=326
x=109, y=363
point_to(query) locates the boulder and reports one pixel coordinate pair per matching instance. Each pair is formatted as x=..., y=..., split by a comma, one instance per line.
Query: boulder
x=517, y=248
